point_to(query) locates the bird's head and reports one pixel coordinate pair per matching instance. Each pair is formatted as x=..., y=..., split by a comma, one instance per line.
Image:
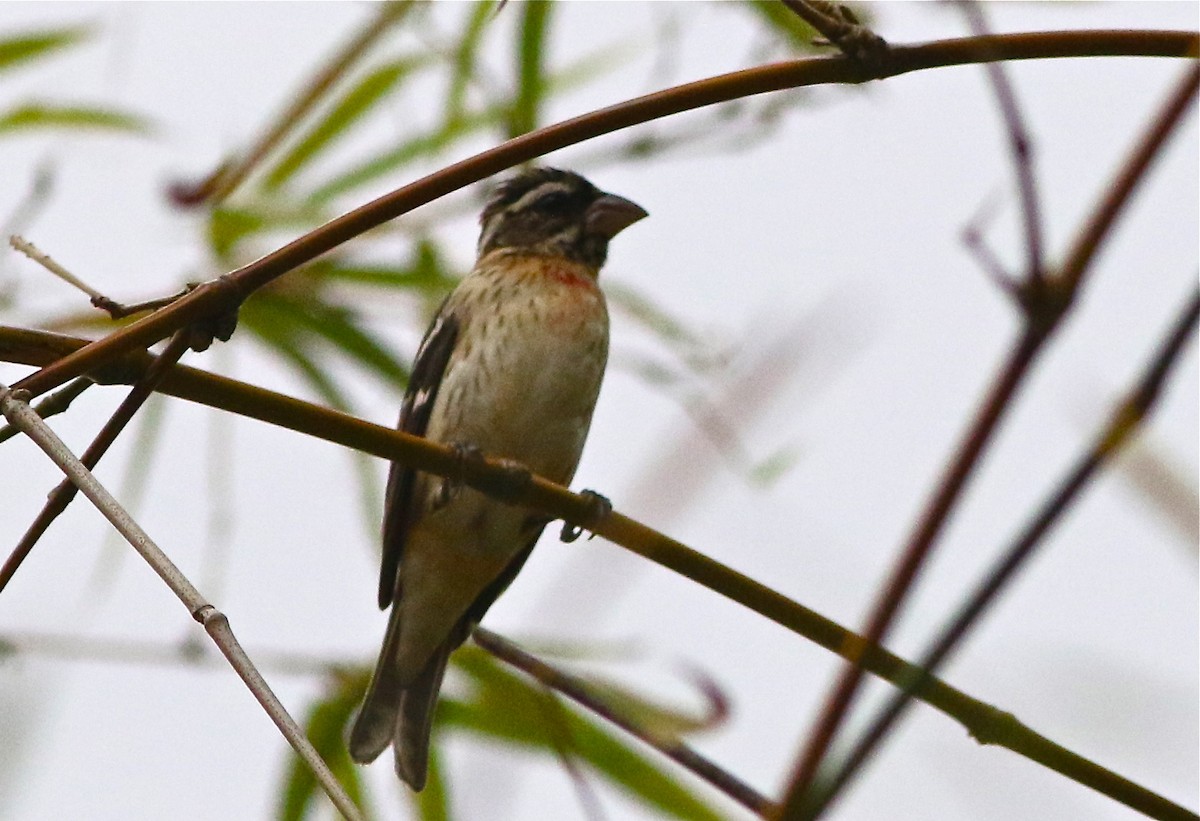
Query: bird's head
x=550, y=212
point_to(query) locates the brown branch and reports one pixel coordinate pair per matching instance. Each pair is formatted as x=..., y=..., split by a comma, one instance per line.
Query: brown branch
x=15, y=407
x=62, y=495
x=1046, y=302
x=1129, y=417
x=576, y=690
x=1020, y=148
x=982, y=721
x=224, y=294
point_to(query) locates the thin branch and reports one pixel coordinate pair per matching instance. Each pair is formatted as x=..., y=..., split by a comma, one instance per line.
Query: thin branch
x=578, y=691
x=838, y=25
x=982, y=721
x=62, y=495
x=223, y=295
x=1021, y=148
x=221, y=183
x=14, y=406
x=114, y=309
x=1129, y=417
x=24, y=246
x=188, y=652
x=1045, y=306
x=54, y=404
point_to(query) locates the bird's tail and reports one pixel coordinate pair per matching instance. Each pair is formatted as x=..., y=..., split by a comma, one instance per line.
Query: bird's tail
x=399, y=714
x=410, y=743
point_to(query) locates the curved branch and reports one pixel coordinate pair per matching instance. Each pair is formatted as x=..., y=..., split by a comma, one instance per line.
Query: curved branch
x=224, y=294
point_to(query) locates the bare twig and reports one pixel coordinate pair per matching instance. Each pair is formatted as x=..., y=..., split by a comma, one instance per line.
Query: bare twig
x=982, y=721
x=14, y=406
x=1020, y=146
x=1129, y=416
x=224, y=294
x=113, y=308
x=576, y=690
x=1046, y=302
x=43, y=259
x=62, y=495
x=167, y=654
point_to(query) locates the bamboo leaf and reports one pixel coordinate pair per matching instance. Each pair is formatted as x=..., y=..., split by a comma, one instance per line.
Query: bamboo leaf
x=351, y=108
x=465, y=59
x=531, y=80
x=46, y=115
x=429, y=144
x=286, y=320
x=30, y=46
x=510, y=708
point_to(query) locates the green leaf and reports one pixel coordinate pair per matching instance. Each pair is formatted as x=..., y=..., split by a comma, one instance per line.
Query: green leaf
x=324, y=726
x=426, y=273
x=46, y=115
x=282, y=318
x=421, y=146
x=25, y=47
x=463, y=71
x=531, y=80
x=784, y=21
x=508, y=707
x=351, y=108
x=228, y=226
x=433, y=802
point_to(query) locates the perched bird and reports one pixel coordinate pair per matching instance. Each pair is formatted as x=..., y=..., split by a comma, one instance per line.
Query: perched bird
x=510, y=367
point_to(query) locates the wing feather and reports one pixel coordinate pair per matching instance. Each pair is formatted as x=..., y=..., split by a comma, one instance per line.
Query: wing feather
x=400, y=510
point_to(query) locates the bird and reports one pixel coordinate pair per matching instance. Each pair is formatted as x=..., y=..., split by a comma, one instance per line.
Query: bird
x=510, y=367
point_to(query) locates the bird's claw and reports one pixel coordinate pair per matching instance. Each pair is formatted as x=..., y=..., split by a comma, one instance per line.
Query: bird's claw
x=464, y=452
x=600, y=508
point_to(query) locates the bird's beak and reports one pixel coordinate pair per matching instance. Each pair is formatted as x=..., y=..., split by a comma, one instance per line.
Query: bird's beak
x=609, y=215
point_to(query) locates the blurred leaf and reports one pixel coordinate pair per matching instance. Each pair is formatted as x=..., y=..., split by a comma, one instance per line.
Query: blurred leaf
x=510, y=708
x=433, y=802
x=1166, y=487
x=459, y=125
x=771, y=469
x=283, y=320
x=689, y=346
x=783, y=20
x=228, y=226
x=463, y=71
x=531, y=81
x=423, y=145
x=45, y=115
x=427, y=272
x=794, y=30
x=25, y=47
x=324, y=725
x=356, y=103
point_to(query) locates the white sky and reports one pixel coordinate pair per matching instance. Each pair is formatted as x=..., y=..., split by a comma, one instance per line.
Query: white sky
x=845, y=225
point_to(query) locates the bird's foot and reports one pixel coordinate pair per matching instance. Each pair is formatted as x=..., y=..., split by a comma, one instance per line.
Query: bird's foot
x=599, y=508
x=464, y=452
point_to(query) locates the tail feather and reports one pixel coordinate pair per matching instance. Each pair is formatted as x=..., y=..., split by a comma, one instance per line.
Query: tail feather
x=418, y=703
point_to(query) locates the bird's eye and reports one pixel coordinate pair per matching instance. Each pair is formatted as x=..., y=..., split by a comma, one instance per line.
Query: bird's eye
x=552, y=201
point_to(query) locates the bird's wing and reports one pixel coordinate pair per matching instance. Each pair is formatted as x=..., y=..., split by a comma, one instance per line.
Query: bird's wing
x=400, y=510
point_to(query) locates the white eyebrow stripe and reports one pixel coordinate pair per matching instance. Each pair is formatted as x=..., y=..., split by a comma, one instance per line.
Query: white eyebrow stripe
x=537, y=193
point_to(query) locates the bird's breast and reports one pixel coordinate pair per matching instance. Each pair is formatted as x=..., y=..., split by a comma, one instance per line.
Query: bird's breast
x=526, y=371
